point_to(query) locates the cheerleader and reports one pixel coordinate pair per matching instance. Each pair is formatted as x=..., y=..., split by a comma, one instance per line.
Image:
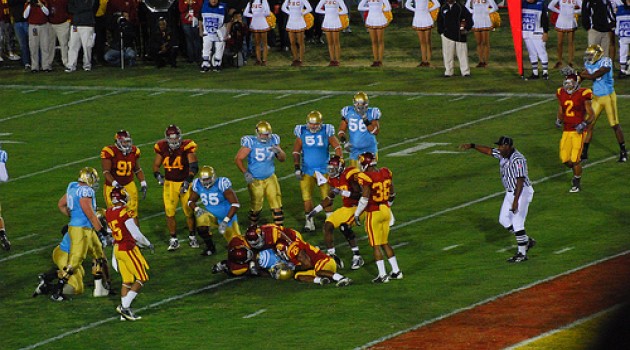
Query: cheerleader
x=565, y=25
x=331, y=26
x=481, y=10
x=296, y=9
x=422, y=23
x=258, y=10
x=376, y=22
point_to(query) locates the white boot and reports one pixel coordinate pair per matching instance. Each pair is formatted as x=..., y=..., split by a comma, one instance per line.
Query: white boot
x=99, y=288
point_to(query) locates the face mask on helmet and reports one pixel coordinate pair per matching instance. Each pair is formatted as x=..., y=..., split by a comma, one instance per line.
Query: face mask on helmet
x=207, y=176
x=366, y=160
x=89, y=176
x=336, y=166
x=263, y=131
x=123, y=141
x=254, y=237
x=314, y=121
x=593, y=54
x=360, y=102
x=571, y=83
x=173, y=136
x=119, y=195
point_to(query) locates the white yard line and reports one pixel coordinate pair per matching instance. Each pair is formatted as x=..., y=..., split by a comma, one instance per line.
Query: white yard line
x=255, y=313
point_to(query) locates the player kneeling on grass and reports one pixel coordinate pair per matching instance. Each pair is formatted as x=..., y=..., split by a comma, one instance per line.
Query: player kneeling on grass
x=240, y=259
x=128, y=259
x=311, y=264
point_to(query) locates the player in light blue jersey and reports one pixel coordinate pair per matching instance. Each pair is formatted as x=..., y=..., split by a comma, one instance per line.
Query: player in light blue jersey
x=599, y=69
x=219, y=208
x=310, y=157
x=4, y=177
x=362, y=124
x=259, y=151
x=79, y=204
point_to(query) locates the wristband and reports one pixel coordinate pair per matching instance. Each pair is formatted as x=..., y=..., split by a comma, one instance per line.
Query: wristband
x=143, y=183
x=115, y=183
x=226, y=219
x=157, y=174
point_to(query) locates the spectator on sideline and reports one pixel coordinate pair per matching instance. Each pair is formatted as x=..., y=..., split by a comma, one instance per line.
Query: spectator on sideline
x=81, y=32
x=258, y=10
x=422, y=23
x=59, y=19
x=20, y=25
x=36, y=13
x=623, y=21
x=566, y=25
x=296, y=9
x=454, y=22
x=163, y=46
x=482, y=25
x=123, y=31
x=598, y=18
x=189, y=12
x=535, y=28
x=215, y=26
x=376, y=22
x=331, y=26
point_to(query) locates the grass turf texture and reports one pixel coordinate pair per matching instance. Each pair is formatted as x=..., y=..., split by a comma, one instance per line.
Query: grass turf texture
x=62, y=121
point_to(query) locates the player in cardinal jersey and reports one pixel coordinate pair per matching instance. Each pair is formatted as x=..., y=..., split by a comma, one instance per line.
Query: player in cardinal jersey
x=310, y=157
x=575, y=113
x=240, y=259
x=120, y=162
x=130, y=261
x=343, y=182
x=259, y=151
x=311, y=264
x=363, y=124
x=219, y=208
x=178, y=157
x=377, y=197
x=268, y=235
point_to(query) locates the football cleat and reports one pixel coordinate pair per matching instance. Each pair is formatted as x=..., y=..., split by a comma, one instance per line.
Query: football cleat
x=381, y=279
x=57, y=297
x=4, y=240
x=574, y=189
x=192, y=242
x=207, y=252
x=623, y=156
x=173, y=244
x=42, y=286
x=127, y=313
x=396, y=275
x=219, y=267
x=545, y=76
x=357, y=262
x=531, y=243
x=310, y=225
x=338, y=261
x=517, y=258
x=533, y=77
x=344, y=282
x=324, y=281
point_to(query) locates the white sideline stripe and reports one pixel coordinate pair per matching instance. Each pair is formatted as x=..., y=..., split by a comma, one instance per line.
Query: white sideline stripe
x=156, y=93
x=464, y=125
x=414, y=98
x=241, y=95
x=116, y=318
x=25, y=237
x=503, y=250
x=28, y=91
x=565, y=327
x=69, y=92
x=282, y=96
x=563, y=250
x=459, y=98
x=36, y=250
x=489, y=300
x=199, y=94
x=401, y=244
x=450, y=247
x=215, y=126
x=59, y=106
x=255, y=313
x=445, y=152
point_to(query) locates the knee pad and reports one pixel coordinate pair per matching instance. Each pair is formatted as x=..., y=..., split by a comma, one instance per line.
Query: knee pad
x=254, y=216
x=347, y=232
x=278, y=216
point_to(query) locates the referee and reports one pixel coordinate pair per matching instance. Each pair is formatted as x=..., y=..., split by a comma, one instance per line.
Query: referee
x=518, y=191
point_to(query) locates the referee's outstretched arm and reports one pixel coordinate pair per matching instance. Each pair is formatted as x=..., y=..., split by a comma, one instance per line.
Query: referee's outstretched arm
x=480, y=148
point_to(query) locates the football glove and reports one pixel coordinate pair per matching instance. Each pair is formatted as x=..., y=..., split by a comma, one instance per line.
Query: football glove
x=159, y=178
x=558, y=123
x=275, y=149
x=143, y=189
x=199, y=211
x=365, y=120
x=581, y=127
x=102, y=236
x=185, y=186
x=249, y=178
x=298, y=173
x=357, y=220
x=314, y=212
x=342, y=137
x=116, y=184
x=223, y=226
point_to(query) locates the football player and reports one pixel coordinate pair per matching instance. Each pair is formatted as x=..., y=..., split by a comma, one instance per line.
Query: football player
x=344, y=183
x=377, y=197
x=311, y=264
x=269, y=235
x=219, y=208
x=599, y=69
x=4, y=177
x=240, y=259
x=310, y=157
x=120, y=162
x=79, y=204
x=362, y=124
x=179, y=159
x=575, y=113
x=130, y=261
x=259, y=152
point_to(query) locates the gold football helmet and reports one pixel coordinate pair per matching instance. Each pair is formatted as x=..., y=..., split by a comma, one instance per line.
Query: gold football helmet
x=263, y=131
x=593, y=53
x=314, y=121
x=281, y=271
x=360, y=102
x=207, y=176
x=89, y=176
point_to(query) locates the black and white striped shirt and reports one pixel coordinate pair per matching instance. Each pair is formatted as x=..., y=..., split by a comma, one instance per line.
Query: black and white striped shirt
x=512, y=168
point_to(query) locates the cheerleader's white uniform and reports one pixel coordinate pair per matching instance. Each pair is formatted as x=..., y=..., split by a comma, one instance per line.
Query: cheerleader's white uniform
x=258, y=10
x=331, y=9
x=566, y=14
x=481, y=10
x=421, y=13
x=375, y=18
x=296, y=9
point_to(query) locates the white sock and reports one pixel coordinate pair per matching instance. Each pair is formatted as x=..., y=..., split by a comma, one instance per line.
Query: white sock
x=331, y=251
x=336, y=277
x=394, y=263
x=381, y=267
x=126, y=300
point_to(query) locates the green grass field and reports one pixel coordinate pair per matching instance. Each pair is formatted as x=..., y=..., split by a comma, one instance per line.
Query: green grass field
x=447, y=238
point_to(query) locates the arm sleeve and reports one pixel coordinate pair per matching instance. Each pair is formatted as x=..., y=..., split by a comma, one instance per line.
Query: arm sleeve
x=4, y=176
x=135, y=232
